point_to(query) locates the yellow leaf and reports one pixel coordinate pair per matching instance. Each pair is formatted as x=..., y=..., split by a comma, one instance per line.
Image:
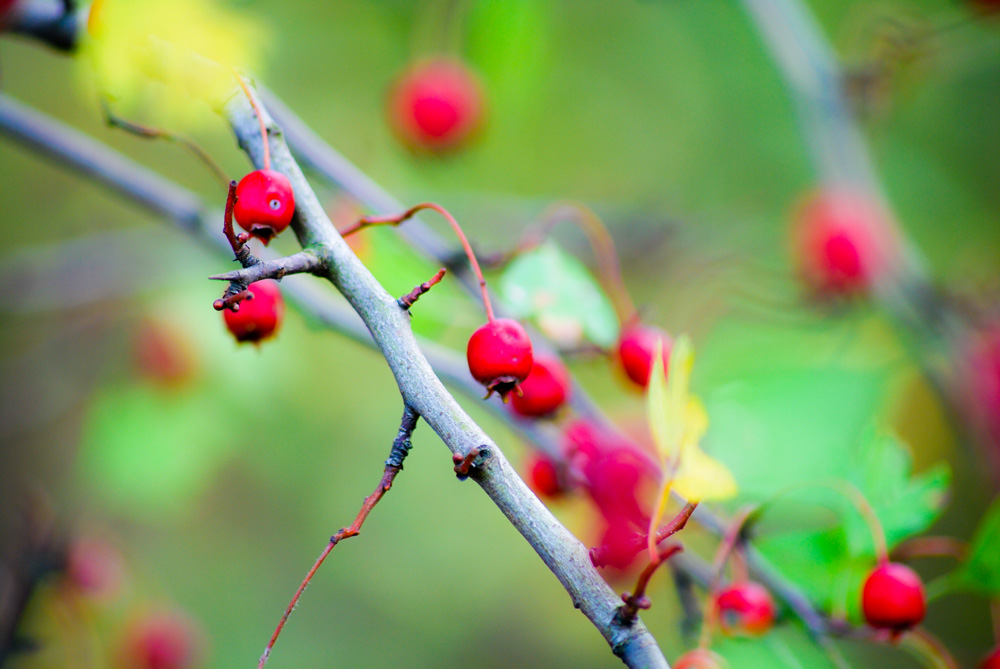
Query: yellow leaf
x=156, y=58
x=701, y=477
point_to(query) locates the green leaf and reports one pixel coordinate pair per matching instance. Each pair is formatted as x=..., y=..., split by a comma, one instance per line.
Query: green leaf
x=557, y=291
x=905, y=504
x=981, y=571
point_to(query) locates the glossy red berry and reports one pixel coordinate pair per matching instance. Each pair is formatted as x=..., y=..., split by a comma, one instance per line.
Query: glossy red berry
x=991, y=661
x=265, y=204
x=500, y=356
x=843, y=242
x=260, y=317
x=543, y=476
x=160, y=640
x=545, y=390
x=745, y=609
x=436, y=105
x=699, y=658
x=636, y=348
x=893, y=598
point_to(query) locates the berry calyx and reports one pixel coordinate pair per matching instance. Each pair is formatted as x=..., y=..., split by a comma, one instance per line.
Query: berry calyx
x=500, y=356
x=546, y=388
x=699, y=658
x=893, y=598
x=257, y=318
x=436, y=105
x=745, y=609
x=543, y=477
x=265, y=204
x=160, y=640
x=636, y=348
x=843, y=242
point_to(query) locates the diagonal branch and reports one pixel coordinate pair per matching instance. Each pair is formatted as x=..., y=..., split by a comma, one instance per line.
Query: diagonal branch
x=565, y=556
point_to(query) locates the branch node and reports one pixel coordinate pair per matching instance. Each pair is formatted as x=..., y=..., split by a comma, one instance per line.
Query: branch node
x=465, y=464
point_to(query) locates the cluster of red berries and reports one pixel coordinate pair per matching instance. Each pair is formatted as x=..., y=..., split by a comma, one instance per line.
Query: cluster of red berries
x=161, y=638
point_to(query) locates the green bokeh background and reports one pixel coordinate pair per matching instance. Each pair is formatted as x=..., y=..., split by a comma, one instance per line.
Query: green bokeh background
x=671, y=121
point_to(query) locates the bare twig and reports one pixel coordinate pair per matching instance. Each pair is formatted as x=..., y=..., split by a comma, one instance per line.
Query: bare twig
x=393, y=465
x=408, y=300
x=599, y=554
x=302, y=262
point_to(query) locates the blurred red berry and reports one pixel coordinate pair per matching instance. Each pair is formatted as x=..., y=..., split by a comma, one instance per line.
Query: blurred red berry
x=543, y=476
x=745, y=609
x=436, y=105
x=161, y=640
x=164, y=354
x=843, y=242
x=265, y=204
x=94, y=568
x=546, y=388
x=500, y=356
x=699, y=658
x=893, y=598
x=260, y=317
x=636, y=348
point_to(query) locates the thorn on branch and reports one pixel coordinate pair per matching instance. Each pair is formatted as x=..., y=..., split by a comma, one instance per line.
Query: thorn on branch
x=407, y=301
x=232, y=298
x=465, y=464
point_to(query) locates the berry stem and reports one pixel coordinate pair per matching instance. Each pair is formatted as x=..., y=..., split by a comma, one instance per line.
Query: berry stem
x=930, y=647
x=397, y=219
x=733, y=536
x=919, y=547
x=400, y=448
x=602, y=244
x=149, y=132
x=260, y=119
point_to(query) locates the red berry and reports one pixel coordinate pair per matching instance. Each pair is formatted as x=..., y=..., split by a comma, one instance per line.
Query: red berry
x=843, y=242
x=265, y=204
x=699, y=658
x=260, y=317
x=546, y=389
x=160, y=641
x=436, y=105
x=499, y=355
x=991, y=661
x=893, y=598
x=543, y=477
x=745, y=609
x=636, y=348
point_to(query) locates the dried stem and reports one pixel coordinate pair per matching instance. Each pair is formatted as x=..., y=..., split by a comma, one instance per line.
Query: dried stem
x=148, y=132
x=602, y=243
x=396, y=219
x=393, y=465
x=260, y=119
